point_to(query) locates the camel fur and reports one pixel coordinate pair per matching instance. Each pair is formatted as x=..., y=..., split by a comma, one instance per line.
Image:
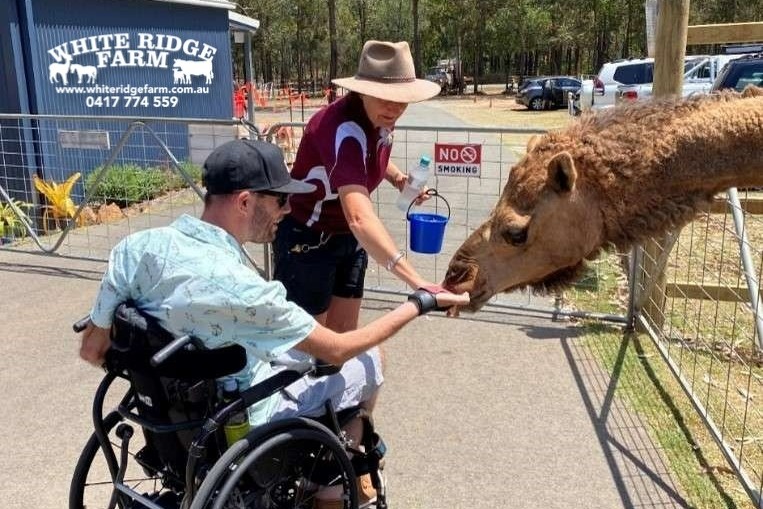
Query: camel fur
x=612, y=178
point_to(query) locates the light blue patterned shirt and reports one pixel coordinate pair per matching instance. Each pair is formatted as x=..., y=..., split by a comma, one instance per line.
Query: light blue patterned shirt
x=193, y=278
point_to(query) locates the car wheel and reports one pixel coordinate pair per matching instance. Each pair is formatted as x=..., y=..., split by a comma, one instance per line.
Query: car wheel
x=536, y=104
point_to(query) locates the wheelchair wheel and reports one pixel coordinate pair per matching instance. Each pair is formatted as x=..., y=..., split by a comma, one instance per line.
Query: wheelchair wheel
x=279, y=470
x=91, y=486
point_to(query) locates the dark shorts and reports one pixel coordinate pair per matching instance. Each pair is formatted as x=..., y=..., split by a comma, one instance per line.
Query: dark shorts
x=313, y=275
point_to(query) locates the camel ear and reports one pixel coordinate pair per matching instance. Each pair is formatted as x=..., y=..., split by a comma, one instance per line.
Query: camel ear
x=562, y=173
x=533, y=142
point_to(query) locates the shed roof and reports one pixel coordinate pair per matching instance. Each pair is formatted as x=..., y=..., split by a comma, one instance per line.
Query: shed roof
x=237, y=21
x=223, y=4
x=244, y=23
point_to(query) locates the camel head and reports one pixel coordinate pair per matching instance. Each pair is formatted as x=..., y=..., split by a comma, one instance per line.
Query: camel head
x=617, y=177
x=535, y=235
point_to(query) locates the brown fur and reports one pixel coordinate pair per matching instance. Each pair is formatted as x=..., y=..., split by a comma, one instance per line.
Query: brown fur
x=616, y=177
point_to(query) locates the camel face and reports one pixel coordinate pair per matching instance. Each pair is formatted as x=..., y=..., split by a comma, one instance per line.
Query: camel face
x=538, y=235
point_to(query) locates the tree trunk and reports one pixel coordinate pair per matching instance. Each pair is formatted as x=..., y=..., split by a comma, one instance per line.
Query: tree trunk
x=626, y=52
x=416, y=39
x=334, y=51
x=362, y=17
x=300, y=70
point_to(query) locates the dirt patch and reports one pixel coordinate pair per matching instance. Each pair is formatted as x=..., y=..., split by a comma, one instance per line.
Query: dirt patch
x=500, y=111
x=488, y=110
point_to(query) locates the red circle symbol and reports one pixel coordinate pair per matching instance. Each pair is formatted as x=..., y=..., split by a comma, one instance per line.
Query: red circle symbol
x=468, y=154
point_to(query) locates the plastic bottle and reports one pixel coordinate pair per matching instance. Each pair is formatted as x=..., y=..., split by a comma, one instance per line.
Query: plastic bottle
x=237, y=425
x=417, y=179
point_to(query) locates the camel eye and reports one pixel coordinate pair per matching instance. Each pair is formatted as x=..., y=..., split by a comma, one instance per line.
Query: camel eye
x=515, y=237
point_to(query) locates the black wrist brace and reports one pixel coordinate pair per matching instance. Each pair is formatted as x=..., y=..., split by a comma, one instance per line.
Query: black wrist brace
x=424, y=300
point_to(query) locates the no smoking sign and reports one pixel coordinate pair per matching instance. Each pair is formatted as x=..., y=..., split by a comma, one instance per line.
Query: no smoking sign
x=464, y=160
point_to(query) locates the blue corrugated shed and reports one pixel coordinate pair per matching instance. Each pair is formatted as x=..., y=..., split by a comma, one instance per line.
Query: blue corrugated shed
x=130, y=58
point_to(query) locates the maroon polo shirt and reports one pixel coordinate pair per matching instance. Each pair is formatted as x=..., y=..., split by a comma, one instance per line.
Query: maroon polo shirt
x=339, y=147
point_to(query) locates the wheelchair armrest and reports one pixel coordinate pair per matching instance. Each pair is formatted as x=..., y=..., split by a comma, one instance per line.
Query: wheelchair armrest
x=169, y=350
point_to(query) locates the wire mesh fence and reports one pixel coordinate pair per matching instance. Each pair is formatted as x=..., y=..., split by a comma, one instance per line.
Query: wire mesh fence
x=699, y=301
x=76, y=186
x=470, y=199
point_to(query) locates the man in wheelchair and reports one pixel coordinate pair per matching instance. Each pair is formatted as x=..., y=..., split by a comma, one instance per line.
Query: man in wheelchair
x=192, y=278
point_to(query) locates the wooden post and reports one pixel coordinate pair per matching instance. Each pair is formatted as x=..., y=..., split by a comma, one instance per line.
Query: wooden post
x=670, y=49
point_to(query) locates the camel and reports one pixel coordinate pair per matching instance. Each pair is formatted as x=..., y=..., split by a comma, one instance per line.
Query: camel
x=614, y=178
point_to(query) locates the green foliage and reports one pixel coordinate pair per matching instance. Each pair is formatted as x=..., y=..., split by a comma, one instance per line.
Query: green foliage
x=11, y=225
x=176, y=181
x=126, y=184
x=507, y=38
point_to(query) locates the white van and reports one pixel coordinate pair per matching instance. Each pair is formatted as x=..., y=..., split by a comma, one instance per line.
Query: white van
x=601, y=91
x=699, y=76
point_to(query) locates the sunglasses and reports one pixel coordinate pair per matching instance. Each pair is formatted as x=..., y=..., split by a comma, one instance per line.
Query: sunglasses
x=283, y=198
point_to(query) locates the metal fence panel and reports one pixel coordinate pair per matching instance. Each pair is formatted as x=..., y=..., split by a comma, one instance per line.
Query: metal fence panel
x=703, y=312
x=471, y=199
x=56, y=148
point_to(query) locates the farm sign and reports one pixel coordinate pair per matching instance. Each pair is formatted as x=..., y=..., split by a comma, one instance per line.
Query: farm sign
x=453, y=159
x=90, y=67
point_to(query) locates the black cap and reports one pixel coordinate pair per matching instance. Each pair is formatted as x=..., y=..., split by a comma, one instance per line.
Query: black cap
x=249, y=164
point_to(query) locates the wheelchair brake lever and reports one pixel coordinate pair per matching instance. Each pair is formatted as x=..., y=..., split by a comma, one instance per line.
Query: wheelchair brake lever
x=163, y=354
x=81, y=324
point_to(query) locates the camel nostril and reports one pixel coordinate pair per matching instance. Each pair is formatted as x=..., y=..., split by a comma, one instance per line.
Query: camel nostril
x=460, y=277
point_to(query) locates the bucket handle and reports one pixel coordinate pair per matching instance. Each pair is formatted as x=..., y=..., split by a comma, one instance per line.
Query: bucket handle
x=430, y=192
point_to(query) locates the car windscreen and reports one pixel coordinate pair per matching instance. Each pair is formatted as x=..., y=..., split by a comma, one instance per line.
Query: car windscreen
x=749, y=75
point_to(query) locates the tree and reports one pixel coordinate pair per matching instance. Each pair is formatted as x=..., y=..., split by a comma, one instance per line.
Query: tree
x=416, y=39
x=334, y=51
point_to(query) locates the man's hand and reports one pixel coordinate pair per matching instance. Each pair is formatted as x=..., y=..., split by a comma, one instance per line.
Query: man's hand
x=447, y=301
x=95, y=342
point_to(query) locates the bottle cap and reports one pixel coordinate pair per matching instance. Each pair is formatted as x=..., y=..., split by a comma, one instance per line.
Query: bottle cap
x=424, y=161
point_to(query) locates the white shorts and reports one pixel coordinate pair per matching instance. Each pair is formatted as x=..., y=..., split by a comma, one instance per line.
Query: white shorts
x=357, y=381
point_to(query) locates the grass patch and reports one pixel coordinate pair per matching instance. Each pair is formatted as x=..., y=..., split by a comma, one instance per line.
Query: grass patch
x=645, y=384
x=727, y=383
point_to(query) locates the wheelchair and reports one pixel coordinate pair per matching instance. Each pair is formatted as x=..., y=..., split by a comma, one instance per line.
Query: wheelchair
x=179, y=458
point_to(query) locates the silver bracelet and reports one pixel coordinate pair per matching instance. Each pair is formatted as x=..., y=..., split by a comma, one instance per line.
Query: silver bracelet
x=394, y=260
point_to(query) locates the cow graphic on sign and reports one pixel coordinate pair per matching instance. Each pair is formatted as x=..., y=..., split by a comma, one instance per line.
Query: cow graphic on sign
x=458, y=159
x=182, y=70
x=87, y=72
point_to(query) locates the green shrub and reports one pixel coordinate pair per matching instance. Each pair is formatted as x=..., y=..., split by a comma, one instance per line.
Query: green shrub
x=176, y=180
x=125, y=184
x=12, y=225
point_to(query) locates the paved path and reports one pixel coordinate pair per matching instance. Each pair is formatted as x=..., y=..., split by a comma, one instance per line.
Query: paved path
x=477, y=414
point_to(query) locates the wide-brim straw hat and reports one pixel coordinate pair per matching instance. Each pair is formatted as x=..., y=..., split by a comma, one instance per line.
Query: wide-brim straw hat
x=386, y=71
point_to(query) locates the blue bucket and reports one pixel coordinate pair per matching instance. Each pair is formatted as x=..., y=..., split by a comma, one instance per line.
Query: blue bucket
x=427, y=231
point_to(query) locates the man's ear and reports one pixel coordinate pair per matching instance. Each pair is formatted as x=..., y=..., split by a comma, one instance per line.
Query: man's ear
x=561, y=173
x=241, y=199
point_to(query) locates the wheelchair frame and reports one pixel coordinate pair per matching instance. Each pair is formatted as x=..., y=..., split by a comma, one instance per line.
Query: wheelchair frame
x=212, y=472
